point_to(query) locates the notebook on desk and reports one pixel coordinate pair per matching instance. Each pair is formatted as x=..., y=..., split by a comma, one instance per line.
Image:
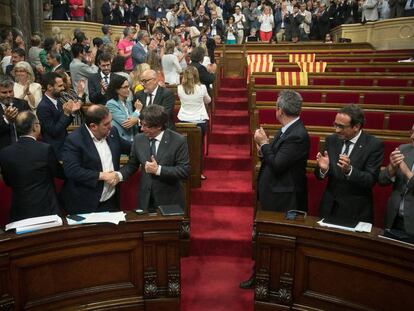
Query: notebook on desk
x=171, y=210
x=351, y=223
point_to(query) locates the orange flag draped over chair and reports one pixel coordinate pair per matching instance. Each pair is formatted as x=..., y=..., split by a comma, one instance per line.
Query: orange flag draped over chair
x=312, y=67
x=286, y=78
x=294, y=58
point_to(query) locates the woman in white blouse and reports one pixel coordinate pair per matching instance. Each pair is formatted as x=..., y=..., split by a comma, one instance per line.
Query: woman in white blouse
x=266, y=24
x=194, y=98
x=170, y=65
x=25, y=87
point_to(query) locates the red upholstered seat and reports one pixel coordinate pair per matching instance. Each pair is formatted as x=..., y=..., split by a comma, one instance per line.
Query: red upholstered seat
x=129, y=192
x=374, y=120
x=315, y=191
x=409, y=99
x=292, y=69
x=392, y=82
x=381, y=195
x=341, y=69
x=311, y=97
x=325, y=81
x=265, y=81
x=401, y=121
x=266, y=95
x=318, y=117
x=342, y=97
x=402, y=69
x=267, y=116
x=382, y=98
x=5, y=203
x=358, y=82
x=314, y=147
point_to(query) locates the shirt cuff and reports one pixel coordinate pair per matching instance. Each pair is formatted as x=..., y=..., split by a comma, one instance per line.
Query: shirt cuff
x=121, y=178
x=350, y=172
x=5, y=120
x=158, y=173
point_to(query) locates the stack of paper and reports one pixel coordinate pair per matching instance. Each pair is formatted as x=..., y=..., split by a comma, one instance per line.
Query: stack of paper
x=35, y=223
x=113, y=218
x=360, y=227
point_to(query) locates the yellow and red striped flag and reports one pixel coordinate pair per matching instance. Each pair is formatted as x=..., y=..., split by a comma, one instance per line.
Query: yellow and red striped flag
x=309, y=58
x=259, y=58
x=312, y=67
x=286, y=78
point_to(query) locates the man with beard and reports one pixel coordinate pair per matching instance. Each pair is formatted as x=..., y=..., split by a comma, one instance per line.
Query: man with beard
x=55, y=117
x=9, y=108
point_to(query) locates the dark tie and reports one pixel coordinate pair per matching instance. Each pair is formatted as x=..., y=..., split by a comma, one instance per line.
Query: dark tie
x=106, y=81
x=347, y=144
x=153, y=151
x=13, y=133
x=150, y=99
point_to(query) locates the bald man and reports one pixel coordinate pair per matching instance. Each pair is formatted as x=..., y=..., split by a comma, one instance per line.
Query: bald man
x=28, y=167
x=153, y=94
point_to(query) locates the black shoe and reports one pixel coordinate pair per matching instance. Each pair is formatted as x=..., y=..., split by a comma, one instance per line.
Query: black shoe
x=248, y=284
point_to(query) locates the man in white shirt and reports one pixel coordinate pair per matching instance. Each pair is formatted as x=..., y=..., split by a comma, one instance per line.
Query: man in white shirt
x=239, y=21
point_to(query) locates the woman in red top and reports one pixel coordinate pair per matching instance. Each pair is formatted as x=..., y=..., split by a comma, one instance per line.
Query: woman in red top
x=77, y=10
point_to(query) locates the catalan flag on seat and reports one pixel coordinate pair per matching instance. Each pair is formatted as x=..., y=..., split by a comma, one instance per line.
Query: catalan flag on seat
x=312, y=67
x=259, y=58
x=285, y=78
x=259, y=67
x=309, y=58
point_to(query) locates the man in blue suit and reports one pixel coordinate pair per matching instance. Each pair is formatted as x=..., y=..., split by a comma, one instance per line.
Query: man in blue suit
x=140, y=49
x=55, y=117
x=91, y=156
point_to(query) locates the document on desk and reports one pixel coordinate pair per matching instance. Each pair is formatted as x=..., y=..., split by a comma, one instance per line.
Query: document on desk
x=360, y=227
x=35, y=223
x=113, y=218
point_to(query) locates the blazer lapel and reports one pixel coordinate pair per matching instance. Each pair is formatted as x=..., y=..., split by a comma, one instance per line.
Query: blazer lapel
x=358, y=148
x=89, y=142
x=157, y=97
x=111, y=144
x=163, y=146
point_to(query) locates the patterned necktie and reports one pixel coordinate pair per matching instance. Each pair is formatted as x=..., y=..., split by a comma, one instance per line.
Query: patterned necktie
x=106, y=81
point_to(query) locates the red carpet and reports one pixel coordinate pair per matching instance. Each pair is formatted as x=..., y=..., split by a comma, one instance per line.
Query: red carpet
x=222, y=213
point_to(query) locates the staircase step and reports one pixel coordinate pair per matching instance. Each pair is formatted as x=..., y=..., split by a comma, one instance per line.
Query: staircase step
x=222, y=149
x=226, y=129
x=231, y=117
x=242, y=198
x=228, y=162
x=229, y=138
x=233, y=92
x=231, y=103
x=233, y=82
x=229, y=181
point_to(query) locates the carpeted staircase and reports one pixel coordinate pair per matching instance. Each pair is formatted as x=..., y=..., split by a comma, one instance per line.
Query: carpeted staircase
x=222, y=213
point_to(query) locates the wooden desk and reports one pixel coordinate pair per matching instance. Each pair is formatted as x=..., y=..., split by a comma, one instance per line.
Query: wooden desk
x=131, y=266
x=302, y=266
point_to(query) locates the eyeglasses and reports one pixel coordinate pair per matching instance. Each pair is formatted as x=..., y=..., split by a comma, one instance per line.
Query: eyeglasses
x=341, y=126
x=145, y=81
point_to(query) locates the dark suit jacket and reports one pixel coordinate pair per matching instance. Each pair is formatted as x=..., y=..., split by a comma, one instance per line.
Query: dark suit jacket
x=350, y=198
x=165, y=98
x=282, y=183
x=54, y=123
x=206, y=77
x=28, y=167
x=138, y=54
x=106, y=13
x=172, y=155
x=5, y=129
x=82, y=165
x=400, y=186
x=60, y=11
x=94, y=87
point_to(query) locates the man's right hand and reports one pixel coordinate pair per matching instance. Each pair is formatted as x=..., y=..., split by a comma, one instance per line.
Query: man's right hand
x=323, y=161
x=11, y=113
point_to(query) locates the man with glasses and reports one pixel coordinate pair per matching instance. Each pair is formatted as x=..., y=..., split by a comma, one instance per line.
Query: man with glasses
x=153, y=94
x=98, y=82
x=28, y=167
x=351, y=162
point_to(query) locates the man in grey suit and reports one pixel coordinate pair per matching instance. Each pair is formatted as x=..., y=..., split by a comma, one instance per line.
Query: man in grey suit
x=400, y=209
x=140, y=49
x=162, y=155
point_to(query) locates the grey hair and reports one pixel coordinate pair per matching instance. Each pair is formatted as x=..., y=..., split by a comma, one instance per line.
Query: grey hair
x=290, y=102
x=141, y=34
x=6, y=81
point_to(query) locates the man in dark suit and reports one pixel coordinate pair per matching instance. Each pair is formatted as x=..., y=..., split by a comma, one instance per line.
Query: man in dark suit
x=106, y=10
x=90, y=158
x=53, y=116
x=162, y=155
x=60, y=9
x=53, y=59
x=351, y=162
x=140, y=49
x=153, y=94
x=9, y=108
x=282, y=183
x=207, y=77
x=28, y=167
x=98, y=82
x=399, y=173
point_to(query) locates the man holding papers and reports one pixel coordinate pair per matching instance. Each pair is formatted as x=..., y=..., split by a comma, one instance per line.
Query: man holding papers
x=400, y=209
x=28, y=167
x=90, y=158
x=351, y=162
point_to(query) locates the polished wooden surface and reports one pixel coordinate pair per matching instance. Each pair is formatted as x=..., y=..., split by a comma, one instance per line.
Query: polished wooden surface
x=131, y=266
x=302, y=266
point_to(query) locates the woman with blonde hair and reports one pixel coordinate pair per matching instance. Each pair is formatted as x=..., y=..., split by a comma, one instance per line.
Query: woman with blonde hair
x=25, y=87
x=154, y=61
x=170, y=65
x=194, y=98
x=136, y=77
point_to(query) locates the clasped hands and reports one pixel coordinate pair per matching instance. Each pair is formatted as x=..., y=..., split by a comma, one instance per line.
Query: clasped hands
x=111, y=178
x=397, y=162
x=71, y=106
x=344, y=162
